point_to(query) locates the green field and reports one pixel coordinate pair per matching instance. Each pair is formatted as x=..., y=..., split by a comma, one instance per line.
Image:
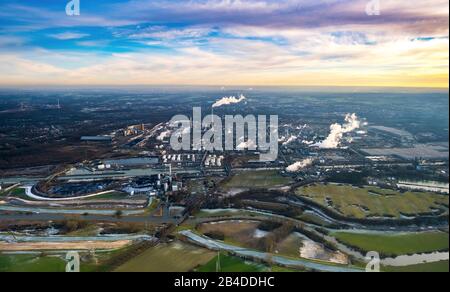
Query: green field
x=175, y=257
x=31, y=263
x=314, y=219
x=394, y=245
x=51, y=263
x=256, y=179
x=421, y=268
x=231, y=264
x=238, y=233
x=371, y=201
x=18, y=193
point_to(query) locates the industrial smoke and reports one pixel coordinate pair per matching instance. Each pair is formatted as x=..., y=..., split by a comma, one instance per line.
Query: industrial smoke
x=296, y=167
x=333, y=140
x=229, y=100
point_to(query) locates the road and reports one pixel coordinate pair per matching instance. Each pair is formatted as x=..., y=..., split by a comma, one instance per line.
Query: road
x=404, y=260
x=248, y=253
x=30, y=194
x=93, y=218
x=107, y=238
x=69, y=212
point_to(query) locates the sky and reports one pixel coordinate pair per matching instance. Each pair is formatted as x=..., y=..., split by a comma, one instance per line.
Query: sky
x=225, y=43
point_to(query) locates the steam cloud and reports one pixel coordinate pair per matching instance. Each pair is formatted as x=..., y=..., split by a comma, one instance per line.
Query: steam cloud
x=296, y=167
x=229, y=100
x=337, y=132
x=164, y=135
x=246, y=145
x=290, y=140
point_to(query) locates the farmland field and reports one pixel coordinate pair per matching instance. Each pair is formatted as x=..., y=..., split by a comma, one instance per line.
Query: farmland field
x=231, y=264
x=50, y=263
x=397, y=244
x=290, y=246
x=428, y=267
x=256, y=179
x=175, y=257
x=31, y=263
x=373, y=202
x=313, y=219
x=240, y=233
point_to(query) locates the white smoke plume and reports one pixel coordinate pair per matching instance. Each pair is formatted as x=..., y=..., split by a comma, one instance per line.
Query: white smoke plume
x=296, y=167
x=229, y=100
x=164, y=135
x=290, y=140
x=246, y=145
x=333, y=141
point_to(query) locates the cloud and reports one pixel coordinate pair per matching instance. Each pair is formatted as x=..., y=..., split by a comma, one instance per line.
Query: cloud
x=98, y=43
x=11, y=41
x=68, y=36
x=226, y=42
x=290, y=14
x=165, y=33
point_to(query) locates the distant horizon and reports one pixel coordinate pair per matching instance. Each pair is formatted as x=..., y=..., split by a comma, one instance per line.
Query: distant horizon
x=247, y=88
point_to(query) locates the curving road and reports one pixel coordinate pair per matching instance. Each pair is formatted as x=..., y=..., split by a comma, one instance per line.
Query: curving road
x=248, y=253
x=29, y=193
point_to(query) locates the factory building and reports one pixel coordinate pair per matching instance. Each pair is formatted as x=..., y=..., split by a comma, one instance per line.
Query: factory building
x=97, y=139
x=214, y=161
